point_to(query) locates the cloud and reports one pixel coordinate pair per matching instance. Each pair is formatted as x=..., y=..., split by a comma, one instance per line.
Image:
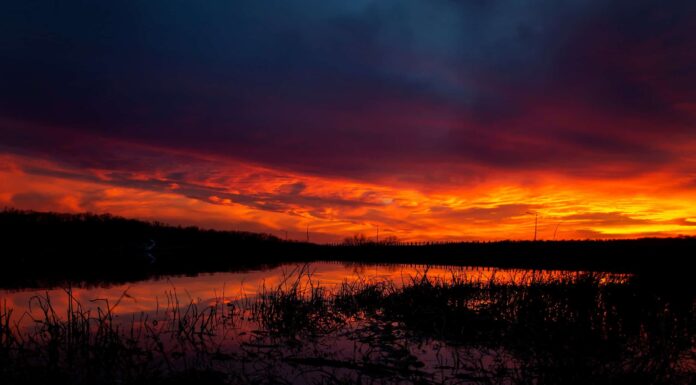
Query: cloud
x=496, y=214
x=360, y=112
x=363, y=91
x=37, y=201
x=274, y=201
x=606, y=219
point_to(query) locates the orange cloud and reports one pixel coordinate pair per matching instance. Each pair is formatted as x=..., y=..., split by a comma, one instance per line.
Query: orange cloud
x=243, y=196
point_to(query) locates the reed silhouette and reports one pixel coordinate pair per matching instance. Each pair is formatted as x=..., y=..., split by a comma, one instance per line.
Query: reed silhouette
x=576, y=328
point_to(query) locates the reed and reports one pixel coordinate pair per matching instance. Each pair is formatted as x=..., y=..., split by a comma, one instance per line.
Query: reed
x=576, y=328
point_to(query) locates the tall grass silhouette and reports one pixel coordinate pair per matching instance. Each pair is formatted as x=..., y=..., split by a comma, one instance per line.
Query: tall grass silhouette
x=572, y=329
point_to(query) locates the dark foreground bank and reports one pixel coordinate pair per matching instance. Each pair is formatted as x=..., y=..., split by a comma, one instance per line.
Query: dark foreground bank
x=41, y=249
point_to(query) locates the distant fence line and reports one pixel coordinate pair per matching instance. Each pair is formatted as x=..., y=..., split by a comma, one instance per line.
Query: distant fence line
x=415, y=243
x=418, y=265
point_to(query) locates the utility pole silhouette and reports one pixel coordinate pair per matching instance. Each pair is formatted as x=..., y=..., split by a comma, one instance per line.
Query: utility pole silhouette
x=536, y=222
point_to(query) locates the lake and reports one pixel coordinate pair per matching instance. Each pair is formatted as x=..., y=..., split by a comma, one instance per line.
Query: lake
x=329, y=322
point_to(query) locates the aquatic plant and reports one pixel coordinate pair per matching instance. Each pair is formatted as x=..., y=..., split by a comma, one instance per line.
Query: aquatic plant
x=572, y=329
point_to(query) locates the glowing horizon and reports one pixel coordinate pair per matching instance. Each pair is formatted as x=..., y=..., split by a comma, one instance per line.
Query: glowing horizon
x=431, y=121
x=254, y=198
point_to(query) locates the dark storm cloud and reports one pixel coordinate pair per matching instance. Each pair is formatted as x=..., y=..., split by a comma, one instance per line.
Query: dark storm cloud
x=359, y=89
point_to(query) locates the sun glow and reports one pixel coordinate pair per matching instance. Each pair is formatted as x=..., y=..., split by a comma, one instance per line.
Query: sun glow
x=254, y=198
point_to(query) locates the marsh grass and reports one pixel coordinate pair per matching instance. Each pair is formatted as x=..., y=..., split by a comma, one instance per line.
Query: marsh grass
x=95, y=346
x=297, y=306
x=6, y=335
x=575, y=328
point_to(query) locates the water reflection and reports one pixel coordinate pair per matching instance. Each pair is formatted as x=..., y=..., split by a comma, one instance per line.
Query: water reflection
x=148, y=295
x=338, y=323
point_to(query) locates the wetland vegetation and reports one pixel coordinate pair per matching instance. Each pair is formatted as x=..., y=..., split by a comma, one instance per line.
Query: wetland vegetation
x=97, y=299
x=568, y=328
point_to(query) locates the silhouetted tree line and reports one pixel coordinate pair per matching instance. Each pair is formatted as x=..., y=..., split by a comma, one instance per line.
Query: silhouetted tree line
x=643, y=255
x=38, y=247
x=44, y=246
x=361, y=240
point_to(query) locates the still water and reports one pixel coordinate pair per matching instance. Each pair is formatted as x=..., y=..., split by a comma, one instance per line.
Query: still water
x=332, y=322
x=149, y=295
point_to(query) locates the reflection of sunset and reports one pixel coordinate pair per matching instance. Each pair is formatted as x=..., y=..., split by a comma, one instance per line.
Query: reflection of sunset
x=149, y=296
x=252, y=198
x=172, y=144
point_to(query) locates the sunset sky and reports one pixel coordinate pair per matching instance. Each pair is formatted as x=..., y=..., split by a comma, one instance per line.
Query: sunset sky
x=432, y=120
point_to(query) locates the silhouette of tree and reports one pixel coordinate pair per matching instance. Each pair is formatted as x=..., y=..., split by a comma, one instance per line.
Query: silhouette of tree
x=356, y=240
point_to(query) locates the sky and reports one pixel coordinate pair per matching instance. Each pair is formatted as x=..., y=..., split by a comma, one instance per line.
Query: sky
x=430, y=120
